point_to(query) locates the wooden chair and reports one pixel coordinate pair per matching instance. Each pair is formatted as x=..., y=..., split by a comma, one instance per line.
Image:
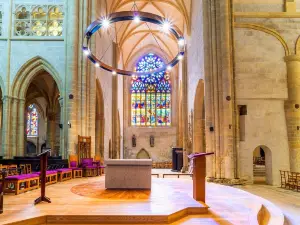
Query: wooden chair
x=74, y=165
x=283, y=178
x=12, y=170
x=292, y=180
x=101, y=164
x=298, y=182
x=28, y=168
x=23, y=168
x=84, y=148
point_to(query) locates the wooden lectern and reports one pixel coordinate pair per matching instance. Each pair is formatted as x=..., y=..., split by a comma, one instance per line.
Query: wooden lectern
x=199, y=173
x=43, y=161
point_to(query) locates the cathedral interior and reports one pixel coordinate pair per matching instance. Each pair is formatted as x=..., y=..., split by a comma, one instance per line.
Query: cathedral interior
x=96, y=86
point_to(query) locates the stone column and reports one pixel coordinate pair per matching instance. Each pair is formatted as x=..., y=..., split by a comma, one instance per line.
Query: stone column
x=72, y=73
x=14, y=119
x=51, y=125
x=6, y=147
x=21, y=128
x=1, y=108
x=179, y=123
x=184, y=110
x=292, y=110
x=115, y=151
x=61, y=131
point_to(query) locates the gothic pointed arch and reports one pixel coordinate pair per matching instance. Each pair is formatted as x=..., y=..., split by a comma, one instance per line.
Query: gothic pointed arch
x=27, y=73
x=143, y=154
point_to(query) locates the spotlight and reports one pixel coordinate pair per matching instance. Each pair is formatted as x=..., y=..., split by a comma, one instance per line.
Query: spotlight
x=97, y=65
x=169, y=68
x=166, y=26
x=114, y=73
x=180, y=57
x=181, y=42
x=137, y=19
x=86, y=52
x=105, y=23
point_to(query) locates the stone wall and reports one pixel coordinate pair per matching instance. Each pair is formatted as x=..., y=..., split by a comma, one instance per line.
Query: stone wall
x=261, y=45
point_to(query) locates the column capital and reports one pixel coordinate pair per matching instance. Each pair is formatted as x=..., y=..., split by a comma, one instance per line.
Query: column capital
x=291, y=58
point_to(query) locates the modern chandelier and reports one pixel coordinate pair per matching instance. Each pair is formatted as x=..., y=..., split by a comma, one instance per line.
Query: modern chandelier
x=137, y=17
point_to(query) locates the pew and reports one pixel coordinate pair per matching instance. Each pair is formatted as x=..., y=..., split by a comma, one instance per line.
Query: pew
x=64, y=174
x=51, y=176
x=18, y=184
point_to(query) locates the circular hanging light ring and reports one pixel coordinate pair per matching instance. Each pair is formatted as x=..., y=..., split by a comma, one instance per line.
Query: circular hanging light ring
x=131, y=16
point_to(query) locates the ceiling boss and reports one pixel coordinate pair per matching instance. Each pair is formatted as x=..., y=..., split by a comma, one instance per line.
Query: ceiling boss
x=137, y=17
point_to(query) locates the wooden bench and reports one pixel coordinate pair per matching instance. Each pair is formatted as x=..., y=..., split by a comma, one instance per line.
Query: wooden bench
x=21, y=183
x=77, y=172
x=177, y=174
x=64, y=174
x=51, y=176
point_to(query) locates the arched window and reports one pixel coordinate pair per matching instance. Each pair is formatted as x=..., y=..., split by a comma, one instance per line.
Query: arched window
x=32, y=121
x=150, y=94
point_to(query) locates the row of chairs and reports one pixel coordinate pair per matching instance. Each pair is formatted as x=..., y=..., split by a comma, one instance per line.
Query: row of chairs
x=290, y=180
x=26, y=168
x=162, y=165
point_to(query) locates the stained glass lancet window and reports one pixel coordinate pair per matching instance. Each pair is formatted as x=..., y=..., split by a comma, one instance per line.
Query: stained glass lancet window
x=32, y=121
x=150, y=94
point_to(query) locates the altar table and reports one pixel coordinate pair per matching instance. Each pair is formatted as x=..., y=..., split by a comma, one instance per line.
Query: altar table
x=128, y=173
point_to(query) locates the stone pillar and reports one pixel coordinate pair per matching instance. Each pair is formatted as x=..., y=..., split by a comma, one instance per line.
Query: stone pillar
x=179, y=123
x=184, y=110
x=21, y=128
x=6, y=146
x=115, y=150
x=220, y=89
x=61, y=131
x=72, y=74
x=1, y=108
x=14, y=119
x=292, y=110
x=51, y=125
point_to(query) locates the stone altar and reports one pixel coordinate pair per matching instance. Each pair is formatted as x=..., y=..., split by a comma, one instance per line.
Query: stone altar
x=128, y=173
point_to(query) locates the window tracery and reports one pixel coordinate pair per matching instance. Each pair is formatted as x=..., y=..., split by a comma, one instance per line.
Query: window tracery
x=32, y=121
x=150, y=94
x=41, y=20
